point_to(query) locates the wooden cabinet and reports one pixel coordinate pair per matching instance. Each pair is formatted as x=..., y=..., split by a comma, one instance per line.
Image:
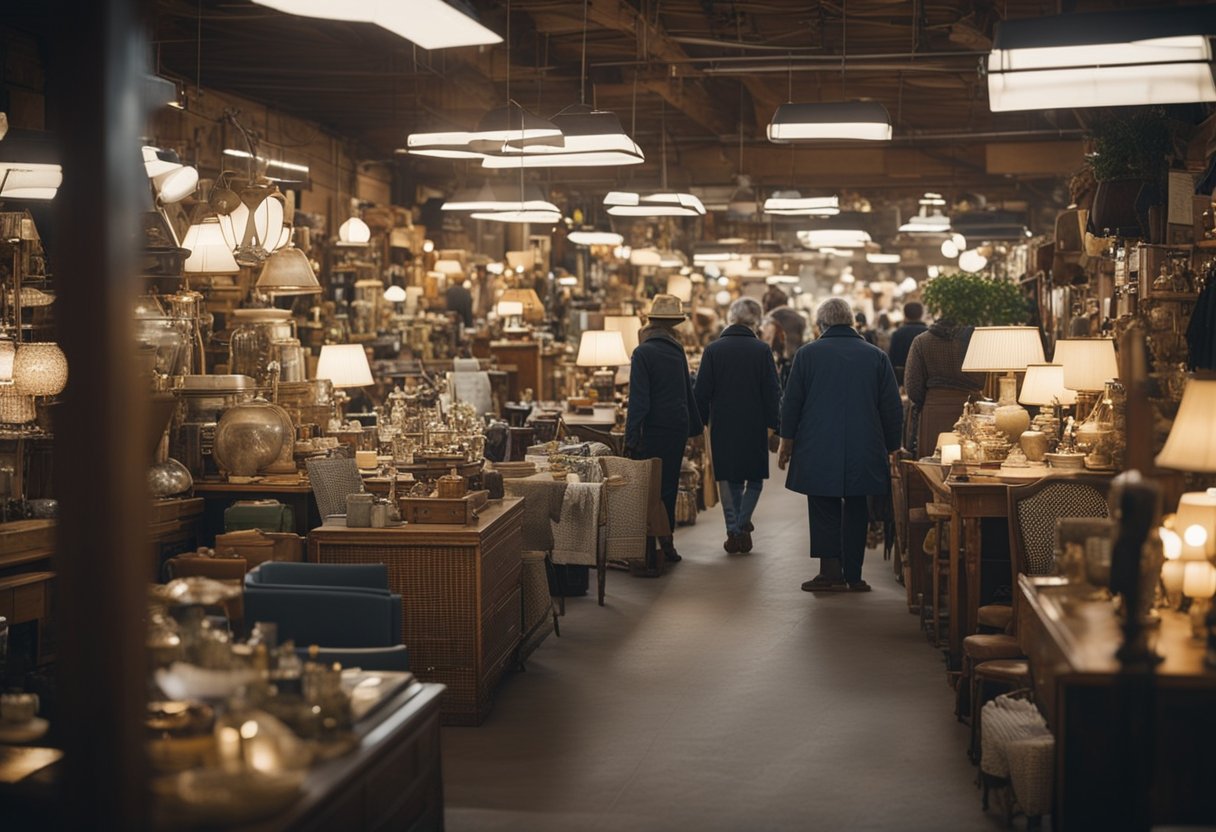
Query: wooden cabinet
x=1133, y=748
x=460, y=594
x=525, y=357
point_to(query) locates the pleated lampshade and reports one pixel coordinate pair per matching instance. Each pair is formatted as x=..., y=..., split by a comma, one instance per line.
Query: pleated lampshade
x=345, y=365
x=601, y=348
x=1088, y=362
x=1003, y=349
x=209, y=251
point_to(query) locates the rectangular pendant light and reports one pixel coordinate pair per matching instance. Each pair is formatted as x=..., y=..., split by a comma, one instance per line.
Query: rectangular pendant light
x=821, y=238
x=630, y=204
x=593, y=138
x=1103, y=59
x=836, y=120
x=794, y=204
x=432, y=24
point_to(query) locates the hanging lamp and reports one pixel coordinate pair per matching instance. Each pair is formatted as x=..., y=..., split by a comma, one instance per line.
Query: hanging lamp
x=210, y=252
x=794, y=204
x=591, y=138
x=432, y=24
x=836, y=120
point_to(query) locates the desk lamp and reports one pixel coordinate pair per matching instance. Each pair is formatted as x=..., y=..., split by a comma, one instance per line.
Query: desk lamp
x=1008, y=350
x=1191, y=446
x=1088, y=364
x=1044, y=388
x=604, y=349
x=345, y=365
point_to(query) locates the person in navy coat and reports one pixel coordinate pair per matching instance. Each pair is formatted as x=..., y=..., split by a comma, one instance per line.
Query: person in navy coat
x=840, y=420
x=662, y=411
x=739, y=396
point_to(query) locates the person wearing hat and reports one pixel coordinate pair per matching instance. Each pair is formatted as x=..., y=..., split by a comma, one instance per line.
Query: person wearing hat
x=662, y=408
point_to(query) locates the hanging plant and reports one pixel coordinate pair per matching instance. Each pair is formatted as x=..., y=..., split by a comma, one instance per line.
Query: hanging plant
x=975, y=300
x=1130, y=146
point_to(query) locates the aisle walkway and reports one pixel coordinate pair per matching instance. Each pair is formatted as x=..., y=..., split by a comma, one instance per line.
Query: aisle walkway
x=722, y=697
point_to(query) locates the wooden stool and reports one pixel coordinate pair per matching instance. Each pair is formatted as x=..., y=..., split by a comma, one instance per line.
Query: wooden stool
x=939, y=515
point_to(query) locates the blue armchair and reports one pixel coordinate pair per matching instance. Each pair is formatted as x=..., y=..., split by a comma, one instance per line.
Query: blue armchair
x=330, y=605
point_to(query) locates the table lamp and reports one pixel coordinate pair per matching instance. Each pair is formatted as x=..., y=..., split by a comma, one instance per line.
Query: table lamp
x=1088, y=364
x=1044, y=388
x=603, y=349
x=534, y=310
x=628, y=326
x=1008, y=350
x=345, y=365
x=1191, y=446
x=511, y=312
x=681, y=286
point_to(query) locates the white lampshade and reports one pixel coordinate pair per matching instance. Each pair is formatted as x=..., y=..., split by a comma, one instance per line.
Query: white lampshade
x=210, y=253
x=595, y=238
x=448, y=267
x=1199, y=580
x=345, y=365
x=1003, y=349
x=395, y=294
x=681, y=286
x=1088, y=362
x=29, y=180
x=509, y=308
x=1044, y=386
x=628, y=326
x=288, y=272
x=354, y=232
x=1197, y=508
x=8, y=352
x=40, y=369
x=601, y=348
x=269, y=218
x=1191, y=445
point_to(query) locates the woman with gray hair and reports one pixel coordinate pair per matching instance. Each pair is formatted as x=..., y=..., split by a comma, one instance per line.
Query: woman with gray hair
x=840, y=420
x=739, y=396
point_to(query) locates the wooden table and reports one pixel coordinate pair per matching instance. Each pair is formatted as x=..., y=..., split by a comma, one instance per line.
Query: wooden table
x=217, y=496
x=1133, y=748
x=970, y=503
x=460, y=591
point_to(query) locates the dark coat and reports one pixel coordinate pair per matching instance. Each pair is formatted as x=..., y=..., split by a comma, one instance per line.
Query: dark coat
x=660, y=390
x=843, y=411
x=739, y=397
x=901, y=341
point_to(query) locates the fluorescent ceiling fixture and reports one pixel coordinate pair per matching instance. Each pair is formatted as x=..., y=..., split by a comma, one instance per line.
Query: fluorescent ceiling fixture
x=451, y=144
x=1103, y=59
x=536, y=214
x=882, y=258
x=794, y=204
x=833, y=238
x=514, y=124
x=782, y=279
x=858, y=120
x=629, y=204
x=432, y=24
x=595, y=238
x=592, y=138
x=700, y=257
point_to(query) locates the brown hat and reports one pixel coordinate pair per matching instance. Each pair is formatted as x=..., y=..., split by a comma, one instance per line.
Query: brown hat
x=666, y=308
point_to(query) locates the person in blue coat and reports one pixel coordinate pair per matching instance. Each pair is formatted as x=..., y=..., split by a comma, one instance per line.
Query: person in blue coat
x=738, y=395
x=840, y=421
x=662, y=410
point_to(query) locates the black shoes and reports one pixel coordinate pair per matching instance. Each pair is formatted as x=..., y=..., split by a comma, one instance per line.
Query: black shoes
x=731, y=545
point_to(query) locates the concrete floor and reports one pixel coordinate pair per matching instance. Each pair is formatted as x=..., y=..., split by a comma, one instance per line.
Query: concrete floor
x=722, y=697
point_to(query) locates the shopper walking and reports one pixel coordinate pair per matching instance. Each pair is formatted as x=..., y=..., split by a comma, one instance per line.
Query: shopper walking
x=840, y=419
x=662, y=410
x=901, y=338
x=739, y=398
x=936, y=385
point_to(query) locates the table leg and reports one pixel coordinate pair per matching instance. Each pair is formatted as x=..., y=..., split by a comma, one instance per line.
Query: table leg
x=973, y=538
x=956, y=588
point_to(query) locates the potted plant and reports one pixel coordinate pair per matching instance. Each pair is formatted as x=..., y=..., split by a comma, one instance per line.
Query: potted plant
x=1128, y=161
x=971, y=299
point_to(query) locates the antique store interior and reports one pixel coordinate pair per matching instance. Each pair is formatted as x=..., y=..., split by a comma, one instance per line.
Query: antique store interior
x=317, y=506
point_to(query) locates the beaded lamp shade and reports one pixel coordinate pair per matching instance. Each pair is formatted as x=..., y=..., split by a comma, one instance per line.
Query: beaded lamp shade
x=15, y=408
x=40, y=369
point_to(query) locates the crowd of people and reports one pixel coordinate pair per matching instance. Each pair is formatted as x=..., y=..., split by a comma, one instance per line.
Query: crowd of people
x=830, y=408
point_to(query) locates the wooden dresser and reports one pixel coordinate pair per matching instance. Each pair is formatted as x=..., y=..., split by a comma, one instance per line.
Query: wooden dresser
x=1133, y=750
x=460, y=594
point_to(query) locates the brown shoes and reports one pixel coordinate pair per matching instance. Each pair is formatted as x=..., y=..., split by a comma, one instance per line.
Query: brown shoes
x=731, y=544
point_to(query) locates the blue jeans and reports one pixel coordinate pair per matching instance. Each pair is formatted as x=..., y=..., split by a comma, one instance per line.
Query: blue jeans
x=738, y=502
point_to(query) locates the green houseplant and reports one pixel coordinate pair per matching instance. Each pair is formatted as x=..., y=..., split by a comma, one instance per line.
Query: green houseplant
x=973, y=299
x=1128, y=160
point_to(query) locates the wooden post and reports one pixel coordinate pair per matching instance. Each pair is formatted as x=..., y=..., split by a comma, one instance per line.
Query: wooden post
x=97, y=71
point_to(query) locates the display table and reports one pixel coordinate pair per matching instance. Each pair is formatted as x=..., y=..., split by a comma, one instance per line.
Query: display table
x=1133, y=749
x=460, y=591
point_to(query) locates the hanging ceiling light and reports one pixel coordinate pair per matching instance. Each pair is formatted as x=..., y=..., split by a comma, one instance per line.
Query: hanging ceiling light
x=1103, y=59
x=858, y=120
x=497, y=127
x=595, y=238
x=591, y=138
x=844, y=238
x=505, y=203
x=172, y=180
x=432, y=24
x=630, y=204
x=929, y=218
x=879, y=258
x=39, y=369
x=253, y=242
x=288, y=272
x=794, y=204
x=354, y=232
x=28, y=168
